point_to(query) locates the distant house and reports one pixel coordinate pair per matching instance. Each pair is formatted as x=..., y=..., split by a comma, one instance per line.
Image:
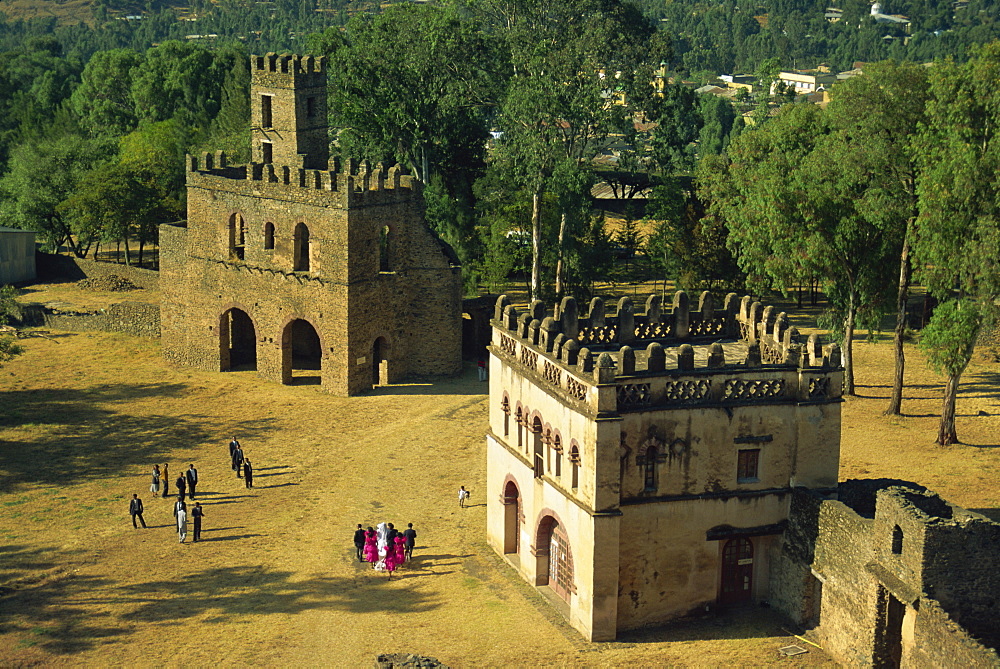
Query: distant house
x=805, y=81
x=17, y=256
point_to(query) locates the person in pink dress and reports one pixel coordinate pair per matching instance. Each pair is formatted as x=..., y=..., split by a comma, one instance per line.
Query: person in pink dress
x=390, y=561
x=400, y=549
x=371, y=549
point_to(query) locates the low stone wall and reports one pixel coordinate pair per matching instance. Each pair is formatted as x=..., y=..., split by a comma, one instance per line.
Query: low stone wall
x=52, y=266
x=139, y=319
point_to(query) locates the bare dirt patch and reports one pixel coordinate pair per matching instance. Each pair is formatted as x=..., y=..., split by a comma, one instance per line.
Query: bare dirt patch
x=275, y=582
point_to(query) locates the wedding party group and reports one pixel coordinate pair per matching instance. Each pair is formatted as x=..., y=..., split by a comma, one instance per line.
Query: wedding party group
x=385, y=547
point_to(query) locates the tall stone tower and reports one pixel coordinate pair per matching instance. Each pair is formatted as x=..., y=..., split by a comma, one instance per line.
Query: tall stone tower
x=288, y=111
x=303, y=268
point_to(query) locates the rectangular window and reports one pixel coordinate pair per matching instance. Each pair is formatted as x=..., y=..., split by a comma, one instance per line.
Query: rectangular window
x=746, y=467
x=310, y=107
x=265, y=111
x=267, y=150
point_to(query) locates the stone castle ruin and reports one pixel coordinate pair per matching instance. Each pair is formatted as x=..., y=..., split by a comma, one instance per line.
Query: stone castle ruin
x=648, y=466
x=304, y=268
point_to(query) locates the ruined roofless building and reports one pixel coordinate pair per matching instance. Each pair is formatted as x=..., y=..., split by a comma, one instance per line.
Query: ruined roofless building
x=304, y=268
x=640, y=466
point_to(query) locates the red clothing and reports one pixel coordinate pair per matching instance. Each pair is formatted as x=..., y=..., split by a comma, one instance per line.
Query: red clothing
x=371, y=549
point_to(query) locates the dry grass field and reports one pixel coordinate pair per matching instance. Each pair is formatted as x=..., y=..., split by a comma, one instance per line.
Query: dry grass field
x=83, y=417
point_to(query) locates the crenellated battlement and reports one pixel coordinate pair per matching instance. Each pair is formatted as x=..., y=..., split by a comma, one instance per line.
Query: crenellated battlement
x=356, y=183
x=287, y=63
x=742, y=352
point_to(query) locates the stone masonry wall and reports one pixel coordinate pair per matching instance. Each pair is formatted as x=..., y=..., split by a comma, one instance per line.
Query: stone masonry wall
x=134, y=318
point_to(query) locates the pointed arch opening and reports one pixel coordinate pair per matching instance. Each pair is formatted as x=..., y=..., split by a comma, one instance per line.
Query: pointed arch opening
x=574, y=459
x=539, y=447
x=301, y=354
x=237, y=341
x=301, y=256
x=511, y=514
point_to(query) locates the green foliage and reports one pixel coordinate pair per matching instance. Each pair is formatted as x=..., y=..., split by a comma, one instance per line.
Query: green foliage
x=9, y=309
x=949, y=339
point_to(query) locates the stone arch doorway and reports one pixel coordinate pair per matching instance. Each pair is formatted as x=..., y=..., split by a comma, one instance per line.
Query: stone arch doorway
x=511, y=515
x=300, y=239
x=737, y=571
x=380, y=362
x=237, y=341
x=555, y=566
x=301, y=354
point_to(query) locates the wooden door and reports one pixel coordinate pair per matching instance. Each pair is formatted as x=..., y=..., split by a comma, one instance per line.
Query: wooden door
x=560, y=563
x=737, y=571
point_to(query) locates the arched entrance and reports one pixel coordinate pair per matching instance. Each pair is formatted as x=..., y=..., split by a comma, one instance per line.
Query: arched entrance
x=301, y=353
x=300, y=239
x=380, y=362
x=511, y=513
x=555, y=567
x=737, y=571
x=237, y=341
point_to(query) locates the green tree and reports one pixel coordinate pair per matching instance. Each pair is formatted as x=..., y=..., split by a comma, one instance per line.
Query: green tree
x=103, y=100
x=9, y=309
x=876, y=117
x=957, y=237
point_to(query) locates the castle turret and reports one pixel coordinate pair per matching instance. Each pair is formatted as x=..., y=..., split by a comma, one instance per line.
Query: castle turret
x=288, y=111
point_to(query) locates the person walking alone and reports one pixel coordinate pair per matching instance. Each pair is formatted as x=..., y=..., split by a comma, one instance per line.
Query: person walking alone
x=197, y=514
x=135, y=509
x=180, y=513
x=463, y=495
x=192, y=479
x=248, y=473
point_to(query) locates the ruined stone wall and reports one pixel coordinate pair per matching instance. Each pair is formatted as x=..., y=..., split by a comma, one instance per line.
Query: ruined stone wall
x=793, y=586
x=138, y=319
x=53, y=266
x=945, y=643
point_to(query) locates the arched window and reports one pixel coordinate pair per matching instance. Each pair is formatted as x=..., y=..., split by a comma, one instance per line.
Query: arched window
x=897, y=540
x=505, y=407
x=383, y=250
x=574, y=458
x=649, y=469
x=301, y=256
x=269, y=236
x=547, y=441
x=557, y=447
x=536, y=428
x=518, y=418
x=237, y=236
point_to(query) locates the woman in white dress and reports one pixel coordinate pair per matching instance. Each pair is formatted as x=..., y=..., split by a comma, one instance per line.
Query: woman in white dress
x=180, y=513
x=382, y=539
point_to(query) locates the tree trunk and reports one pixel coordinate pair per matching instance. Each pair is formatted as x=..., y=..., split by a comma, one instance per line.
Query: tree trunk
x=536, y=244
x=848, y=345
x=946, y=432
x=128, y=254
x=896, y=402
x=141, y=244
x=559, y=262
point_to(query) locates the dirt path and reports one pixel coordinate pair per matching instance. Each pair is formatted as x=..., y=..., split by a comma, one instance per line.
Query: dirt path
x=84, y=416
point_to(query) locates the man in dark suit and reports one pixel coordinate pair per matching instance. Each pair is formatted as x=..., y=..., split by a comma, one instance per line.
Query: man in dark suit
x=233, y=445
x=181, y=486
x=359, y=542
x=135, y=508
x=410, y=535
x=238, y=461
x=197, y=514
x=192, y=479
x=391, y=534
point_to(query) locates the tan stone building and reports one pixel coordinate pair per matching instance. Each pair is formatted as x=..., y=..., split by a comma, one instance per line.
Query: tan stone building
x=307, y=269
x=640, y=466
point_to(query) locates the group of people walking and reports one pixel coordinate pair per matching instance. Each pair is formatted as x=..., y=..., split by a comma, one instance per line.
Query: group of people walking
x=187, y=485
x=385, y=547
x=240, y=462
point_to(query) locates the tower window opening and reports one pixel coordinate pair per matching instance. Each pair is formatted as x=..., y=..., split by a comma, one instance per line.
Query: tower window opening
x=265, y=111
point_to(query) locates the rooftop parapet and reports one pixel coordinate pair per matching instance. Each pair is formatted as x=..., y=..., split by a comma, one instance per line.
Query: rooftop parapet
x=644, y=355
x=288, y=64
x=358, y=182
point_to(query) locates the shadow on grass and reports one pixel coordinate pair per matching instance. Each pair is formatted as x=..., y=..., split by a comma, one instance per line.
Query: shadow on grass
x=89, y=431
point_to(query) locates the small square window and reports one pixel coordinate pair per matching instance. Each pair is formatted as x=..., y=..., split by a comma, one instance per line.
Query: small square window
x=746, y=466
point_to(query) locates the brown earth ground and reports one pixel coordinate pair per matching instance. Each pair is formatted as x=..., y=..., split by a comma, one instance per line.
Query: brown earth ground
x=83, y=417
